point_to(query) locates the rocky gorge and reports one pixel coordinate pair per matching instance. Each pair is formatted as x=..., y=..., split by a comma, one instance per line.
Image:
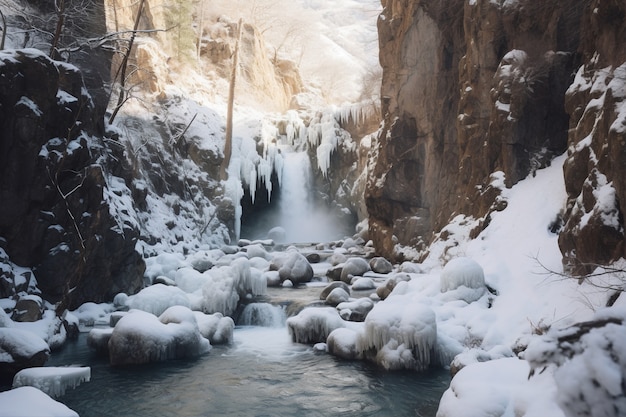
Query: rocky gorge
x=110, y=189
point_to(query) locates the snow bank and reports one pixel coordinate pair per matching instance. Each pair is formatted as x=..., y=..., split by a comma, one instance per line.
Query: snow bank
x=499, y=388
x=141, y=337
x=462, y=272
x=31, y=402
x=52, y=380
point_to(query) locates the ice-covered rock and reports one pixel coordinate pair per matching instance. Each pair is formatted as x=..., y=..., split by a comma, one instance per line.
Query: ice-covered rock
x=215, y=327
x=30, y=402
x=157, y=298
x=257, y=251
x=400, y=334
x=337, y=296
x=380, y=265
x=52, y=380
x=462, y=272
x=20, y=349
x=385, y=290
x=354, y=267
x=229, y=284
x=292, y=266
x=141, y=337
x=313, y=325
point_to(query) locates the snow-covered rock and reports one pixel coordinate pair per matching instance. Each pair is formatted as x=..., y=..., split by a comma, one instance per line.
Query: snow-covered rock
x=21, y=349
x=342, y=342
x=354, y=267
x=463, y=272
x=355, y=310
x=141, y=337
x=337, y=296
x=157, y=298
x=380, y=265
x=330, y=287
x=52, y=380
x=30, y=402
x=292, y=266
x=363, y=284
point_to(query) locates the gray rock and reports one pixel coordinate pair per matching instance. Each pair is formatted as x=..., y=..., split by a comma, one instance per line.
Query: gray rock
x=337, y=296
x=353, y=267
x=332, y=286
x=381, y=265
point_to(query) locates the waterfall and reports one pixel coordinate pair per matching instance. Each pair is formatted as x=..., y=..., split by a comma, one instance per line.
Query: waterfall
x=295, y=205
x=263, y=314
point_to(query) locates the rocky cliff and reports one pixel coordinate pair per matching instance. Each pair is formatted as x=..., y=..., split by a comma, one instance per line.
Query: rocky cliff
x=62, y=210
x=471, y=88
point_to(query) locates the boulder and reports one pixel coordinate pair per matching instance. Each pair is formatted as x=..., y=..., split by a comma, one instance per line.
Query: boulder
x=292, y=266
x=337, y=296
x=20, y=349
x=332, y=286
x=381, y=265
x=354, y=267
x=29, y=308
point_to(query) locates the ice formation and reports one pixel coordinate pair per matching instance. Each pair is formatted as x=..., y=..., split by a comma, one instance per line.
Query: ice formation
x=229, y=284
x=215, y=327
x=52, y=380
x=400, y=335
x=313, y=325
x=30, y=402
x=342, y=342
x=140, y=337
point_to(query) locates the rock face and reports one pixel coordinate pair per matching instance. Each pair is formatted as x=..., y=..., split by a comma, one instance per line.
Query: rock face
x=595, y=173
x=58, y=212
x=471, y=88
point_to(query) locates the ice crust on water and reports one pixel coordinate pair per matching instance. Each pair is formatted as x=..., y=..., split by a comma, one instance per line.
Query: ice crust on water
x=52, y=380
x=141, y=337
x=31, y=402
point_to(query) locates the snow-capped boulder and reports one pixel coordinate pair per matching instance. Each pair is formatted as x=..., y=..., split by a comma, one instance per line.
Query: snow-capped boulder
x=20, y=349
x=355, y=310
x=337, y=296
x=354, y=267
x=313, y=325
x=98, y=340
x=141, y=337
x=292, y=266
x=29, y=402
x=384, y=290
x=157, y=298
x=363, y=284
x=256, y=251
x=335, y=284
x=400, y=334
x=380, y=265
x=342, y=343
x=462, y=271
x=29, y=308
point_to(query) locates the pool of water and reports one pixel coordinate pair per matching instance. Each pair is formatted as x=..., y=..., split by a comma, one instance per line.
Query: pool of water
x=262, y=374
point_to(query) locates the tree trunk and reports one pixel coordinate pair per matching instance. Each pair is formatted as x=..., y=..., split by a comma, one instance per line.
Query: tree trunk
x=228, y=144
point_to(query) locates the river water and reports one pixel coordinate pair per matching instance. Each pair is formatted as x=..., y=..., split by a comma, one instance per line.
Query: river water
x=262, y=374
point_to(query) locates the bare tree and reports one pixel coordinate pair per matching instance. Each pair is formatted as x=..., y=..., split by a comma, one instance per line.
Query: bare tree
x=228, y=144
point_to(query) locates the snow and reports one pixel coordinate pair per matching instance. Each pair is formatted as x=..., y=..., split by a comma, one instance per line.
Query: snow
x=499, y=388
x=313, y=325
x=31, y=402
x=157, y=298
x=52, y=380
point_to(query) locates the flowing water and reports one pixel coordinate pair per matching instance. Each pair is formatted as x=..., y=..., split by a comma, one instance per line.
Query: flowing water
x=262, y=374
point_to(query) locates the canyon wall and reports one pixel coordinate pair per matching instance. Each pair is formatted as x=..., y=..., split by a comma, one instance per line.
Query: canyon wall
x=474, y=87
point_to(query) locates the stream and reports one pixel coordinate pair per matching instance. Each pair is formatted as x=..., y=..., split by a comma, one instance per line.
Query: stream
x=262, y=374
